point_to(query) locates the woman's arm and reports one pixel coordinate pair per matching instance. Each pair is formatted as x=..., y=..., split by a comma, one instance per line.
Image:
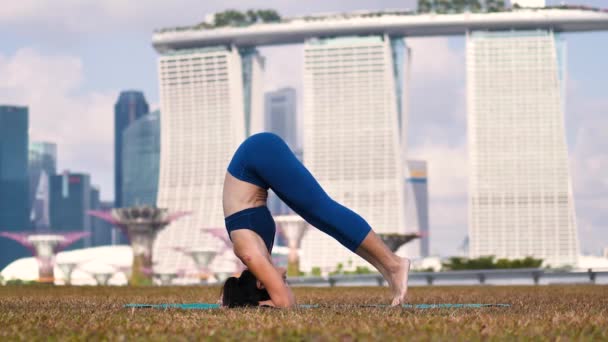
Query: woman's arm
x=272, y=280
x=250, y=248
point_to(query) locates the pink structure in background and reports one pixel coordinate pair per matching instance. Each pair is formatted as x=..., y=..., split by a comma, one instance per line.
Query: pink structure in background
x=141, y=225
x=45, y=247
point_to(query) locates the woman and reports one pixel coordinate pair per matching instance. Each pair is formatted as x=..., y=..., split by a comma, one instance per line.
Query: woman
x=264, y=161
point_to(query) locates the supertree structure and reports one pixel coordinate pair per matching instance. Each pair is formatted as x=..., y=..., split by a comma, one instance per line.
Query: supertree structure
x=141, y=225
x=395, y=240
x=45, y=247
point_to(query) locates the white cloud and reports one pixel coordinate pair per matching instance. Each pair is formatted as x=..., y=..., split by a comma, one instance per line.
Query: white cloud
x=80, y=123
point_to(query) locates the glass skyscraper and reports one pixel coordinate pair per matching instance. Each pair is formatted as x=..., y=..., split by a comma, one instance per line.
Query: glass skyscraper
x=280, y=115
x=42, y=165
x=14, y=192
x=140, y=165
x=354, y=140
x=70, y=202
x=131, y=105
x=101, y=231
x=417, y=217
x=520, y=196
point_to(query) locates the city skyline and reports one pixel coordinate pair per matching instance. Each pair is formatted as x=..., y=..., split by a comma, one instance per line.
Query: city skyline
x=438, y=70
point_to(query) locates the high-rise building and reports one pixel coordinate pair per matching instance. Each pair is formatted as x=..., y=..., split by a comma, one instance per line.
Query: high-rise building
x=417, y=217
x=211, y=100
x=101, y=231
x=280, y=118
x=520, y=196
x=14, y=194
x=280, y=115
x=131, y=105
x=42, y=164
x=70, y=203
x=140, y=161
x=354, y=113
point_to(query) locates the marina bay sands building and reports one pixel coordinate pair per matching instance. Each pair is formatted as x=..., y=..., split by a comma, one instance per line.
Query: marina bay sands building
x=211, y=101
x=355, y=114
x=520, y=198
x=353, y=138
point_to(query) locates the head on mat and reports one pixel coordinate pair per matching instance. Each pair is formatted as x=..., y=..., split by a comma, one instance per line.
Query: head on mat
x=262, y=162
x=245, y=290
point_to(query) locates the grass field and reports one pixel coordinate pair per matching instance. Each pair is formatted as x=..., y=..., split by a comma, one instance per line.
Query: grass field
x=95, y=313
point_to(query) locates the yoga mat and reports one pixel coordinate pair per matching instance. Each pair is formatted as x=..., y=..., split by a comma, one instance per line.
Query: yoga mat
x=207, y=306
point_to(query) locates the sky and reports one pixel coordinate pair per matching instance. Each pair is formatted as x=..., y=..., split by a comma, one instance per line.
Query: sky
x=67, y=60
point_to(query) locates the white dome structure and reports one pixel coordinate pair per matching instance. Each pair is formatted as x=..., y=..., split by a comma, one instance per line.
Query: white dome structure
x=89, y=262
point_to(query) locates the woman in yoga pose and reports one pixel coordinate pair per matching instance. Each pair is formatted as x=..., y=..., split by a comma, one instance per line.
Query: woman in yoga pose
x=264, y=161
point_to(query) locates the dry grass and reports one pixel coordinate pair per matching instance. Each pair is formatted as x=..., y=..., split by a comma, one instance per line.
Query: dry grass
x=95, y=313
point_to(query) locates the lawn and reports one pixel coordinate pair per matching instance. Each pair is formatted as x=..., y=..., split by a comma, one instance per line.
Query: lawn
x=96, y=313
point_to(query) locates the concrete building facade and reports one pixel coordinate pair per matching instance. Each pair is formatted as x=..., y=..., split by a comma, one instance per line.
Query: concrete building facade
x=520, y=196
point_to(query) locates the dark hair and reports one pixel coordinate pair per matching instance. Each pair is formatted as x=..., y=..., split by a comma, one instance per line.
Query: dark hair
x=243, y=291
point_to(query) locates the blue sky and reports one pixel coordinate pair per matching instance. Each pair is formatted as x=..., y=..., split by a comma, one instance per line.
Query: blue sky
x=68, y=60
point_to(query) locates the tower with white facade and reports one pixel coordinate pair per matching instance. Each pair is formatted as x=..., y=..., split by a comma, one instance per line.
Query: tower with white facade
x=354, y=102
x=211, y=100
x=520, y=196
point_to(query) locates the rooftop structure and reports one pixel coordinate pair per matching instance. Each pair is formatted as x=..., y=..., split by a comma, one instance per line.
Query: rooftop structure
x=393, y=23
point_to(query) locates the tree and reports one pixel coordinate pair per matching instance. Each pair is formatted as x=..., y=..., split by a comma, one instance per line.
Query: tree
x=473, y=5
x=252, y=16
x=495, y=5
x=459, y=6
x=269, y=16
x=425, y=6
x=229, y=18
x=443, y=6
x=488, y=263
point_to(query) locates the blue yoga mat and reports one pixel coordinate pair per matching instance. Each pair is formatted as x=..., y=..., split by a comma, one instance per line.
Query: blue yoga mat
x=207, y=306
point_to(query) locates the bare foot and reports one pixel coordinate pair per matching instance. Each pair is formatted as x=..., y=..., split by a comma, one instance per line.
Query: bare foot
x=399, y=282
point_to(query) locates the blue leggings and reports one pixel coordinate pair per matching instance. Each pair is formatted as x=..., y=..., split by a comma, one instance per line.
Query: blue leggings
x=266, y=161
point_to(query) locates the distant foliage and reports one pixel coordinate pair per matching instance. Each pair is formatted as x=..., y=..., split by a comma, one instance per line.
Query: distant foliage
x=358, y=270
x=460, y=6
x=488, y=263
x=236, y=18
x=315, y=272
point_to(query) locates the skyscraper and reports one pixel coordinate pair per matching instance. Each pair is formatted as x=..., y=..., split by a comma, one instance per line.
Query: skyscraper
x=101, y=231
x=14, y=215
x=280, y=118
x=280, y=115
x=353, y=136
x=418, y=200
x=211, y=100
x=140, y=165
x=520, y=197
x=42, y=164
x=70, y=202
x=131, y=105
